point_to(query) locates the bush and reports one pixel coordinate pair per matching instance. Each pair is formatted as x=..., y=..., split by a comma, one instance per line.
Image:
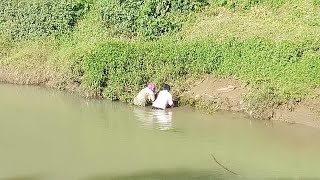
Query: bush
x=247, y=4
x=316, y=2
x=120, y=69
x=148, y=18
x=28, y=19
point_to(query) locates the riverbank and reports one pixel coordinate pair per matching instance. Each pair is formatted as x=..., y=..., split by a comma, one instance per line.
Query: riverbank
x=214, y=94
x=262, y=59
x=209, y=94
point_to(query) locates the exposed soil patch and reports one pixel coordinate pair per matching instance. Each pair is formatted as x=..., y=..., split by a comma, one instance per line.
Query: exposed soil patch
x=226, y=94
x=306, y=112
x=42, y=77
x=15, y=76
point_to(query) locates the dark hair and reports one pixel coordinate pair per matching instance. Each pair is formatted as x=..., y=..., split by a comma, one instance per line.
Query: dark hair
x=166, y=87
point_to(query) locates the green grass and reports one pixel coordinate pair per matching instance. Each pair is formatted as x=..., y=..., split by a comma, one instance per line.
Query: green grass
x=273, y=46
x=293, y=20
x=289, y=69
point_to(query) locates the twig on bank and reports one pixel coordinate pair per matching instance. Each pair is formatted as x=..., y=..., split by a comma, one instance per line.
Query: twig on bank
x=214, y=158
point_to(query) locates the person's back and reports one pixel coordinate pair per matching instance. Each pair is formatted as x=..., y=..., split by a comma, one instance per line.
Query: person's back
x=164, y=98
x=145, y=95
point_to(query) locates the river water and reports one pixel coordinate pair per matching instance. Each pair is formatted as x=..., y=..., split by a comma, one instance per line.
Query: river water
x=47, y=134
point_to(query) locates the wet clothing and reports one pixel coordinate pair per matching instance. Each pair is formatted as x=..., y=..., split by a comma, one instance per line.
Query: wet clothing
x=163, y=100
x=144, y=96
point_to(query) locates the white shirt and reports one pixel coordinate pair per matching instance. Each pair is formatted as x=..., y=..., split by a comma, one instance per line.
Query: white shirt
x=164, y=98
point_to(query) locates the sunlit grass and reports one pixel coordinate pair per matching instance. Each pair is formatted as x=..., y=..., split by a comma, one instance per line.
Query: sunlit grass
x=294, y=20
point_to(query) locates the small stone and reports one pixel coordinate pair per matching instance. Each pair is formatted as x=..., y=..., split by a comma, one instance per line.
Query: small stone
x=227, y=89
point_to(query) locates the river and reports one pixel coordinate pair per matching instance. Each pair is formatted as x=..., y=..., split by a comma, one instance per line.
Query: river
x=53, y=135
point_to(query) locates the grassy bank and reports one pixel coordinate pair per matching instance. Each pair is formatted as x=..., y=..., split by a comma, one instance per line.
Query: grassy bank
x=113, y=49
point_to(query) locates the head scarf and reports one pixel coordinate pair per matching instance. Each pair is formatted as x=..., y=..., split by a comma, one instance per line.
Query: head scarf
x=152, y=87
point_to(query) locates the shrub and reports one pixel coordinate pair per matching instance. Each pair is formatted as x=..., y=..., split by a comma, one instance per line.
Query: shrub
x=120, y=69
x=28, y=19
x=148, y=18
x=247, y=4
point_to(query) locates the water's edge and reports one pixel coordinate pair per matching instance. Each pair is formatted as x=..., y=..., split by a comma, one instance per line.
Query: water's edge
x=305, y=112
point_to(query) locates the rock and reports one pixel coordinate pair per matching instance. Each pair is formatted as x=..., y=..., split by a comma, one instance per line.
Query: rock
x=227, y=89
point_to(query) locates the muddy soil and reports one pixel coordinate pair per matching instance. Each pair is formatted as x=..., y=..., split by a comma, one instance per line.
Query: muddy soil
x=228, y=94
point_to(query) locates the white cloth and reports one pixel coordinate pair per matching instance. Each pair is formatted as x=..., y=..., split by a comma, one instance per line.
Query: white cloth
x=164, y=98
x=144, y=95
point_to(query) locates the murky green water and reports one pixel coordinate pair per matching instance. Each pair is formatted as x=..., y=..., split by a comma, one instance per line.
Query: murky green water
x=49, y=135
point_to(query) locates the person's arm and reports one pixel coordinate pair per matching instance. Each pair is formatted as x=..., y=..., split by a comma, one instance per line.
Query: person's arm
x=152, y=97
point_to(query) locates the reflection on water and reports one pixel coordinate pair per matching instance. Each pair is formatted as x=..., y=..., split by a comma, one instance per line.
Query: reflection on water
x=163, y=118
x=150, y=118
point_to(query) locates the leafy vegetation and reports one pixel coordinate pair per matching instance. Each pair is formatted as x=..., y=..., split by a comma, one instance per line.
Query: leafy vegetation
x=247, y=4
x=148, y=18
x=115, y=47
x=28, y=19
x=121, y=68
x=287, y=69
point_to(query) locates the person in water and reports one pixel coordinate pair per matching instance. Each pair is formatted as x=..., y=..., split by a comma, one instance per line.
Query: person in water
x=146, y=96
x=164, y=98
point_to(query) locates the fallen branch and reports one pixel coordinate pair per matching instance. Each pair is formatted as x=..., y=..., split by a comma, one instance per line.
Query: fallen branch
x=214, y=158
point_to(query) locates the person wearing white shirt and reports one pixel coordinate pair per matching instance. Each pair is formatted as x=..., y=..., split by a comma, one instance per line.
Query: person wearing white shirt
x=164, y=98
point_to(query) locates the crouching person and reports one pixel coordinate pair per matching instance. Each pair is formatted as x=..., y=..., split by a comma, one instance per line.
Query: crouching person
x=164, y=99
x=146, y=96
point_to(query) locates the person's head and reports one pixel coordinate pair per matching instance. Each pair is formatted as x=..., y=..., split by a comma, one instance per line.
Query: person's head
x=152, y=87
x=166, y=87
